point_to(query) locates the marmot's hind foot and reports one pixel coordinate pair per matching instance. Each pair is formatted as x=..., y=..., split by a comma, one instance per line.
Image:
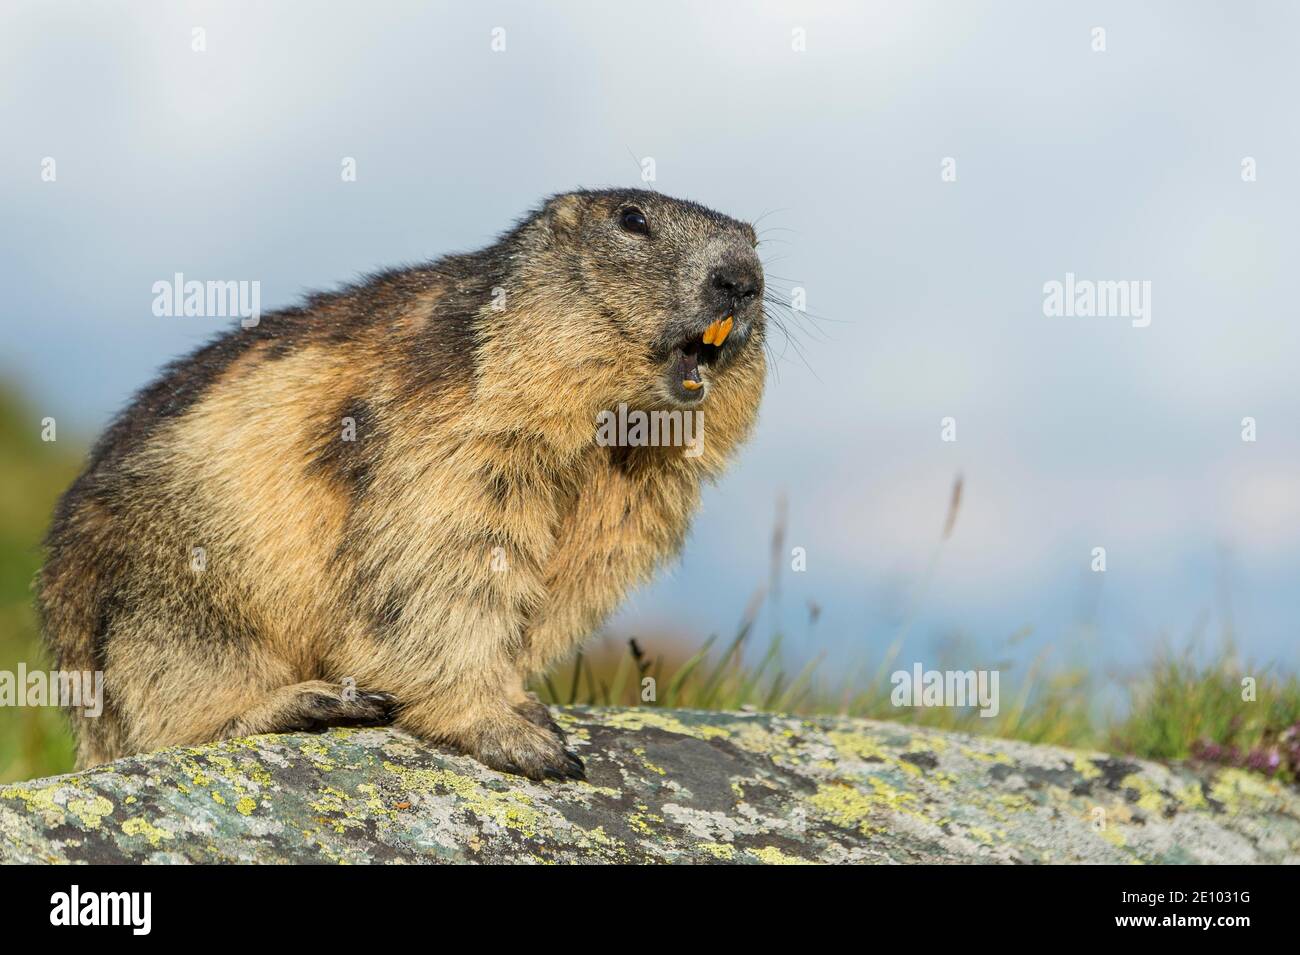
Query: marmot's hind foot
x=525, y=748
x=539, y=714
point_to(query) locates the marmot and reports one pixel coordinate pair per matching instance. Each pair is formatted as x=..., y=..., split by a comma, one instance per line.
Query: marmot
x=396, y=488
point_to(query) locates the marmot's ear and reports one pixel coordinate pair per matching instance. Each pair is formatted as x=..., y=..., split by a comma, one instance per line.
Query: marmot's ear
x=564, y=215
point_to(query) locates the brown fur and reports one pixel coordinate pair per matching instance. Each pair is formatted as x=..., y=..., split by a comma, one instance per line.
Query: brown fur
x=379, y=559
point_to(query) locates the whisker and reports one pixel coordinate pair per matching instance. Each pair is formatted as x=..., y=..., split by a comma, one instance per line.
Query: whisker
x=765, y=215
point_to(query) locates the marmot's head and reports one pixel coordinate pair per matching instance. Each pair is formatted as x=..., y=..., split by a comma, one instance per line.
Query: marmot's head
x=673, y=292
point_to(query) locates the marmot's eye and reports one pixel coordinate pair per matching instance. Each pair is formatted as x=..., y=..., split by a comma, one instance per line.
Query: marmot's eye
x=633, y=219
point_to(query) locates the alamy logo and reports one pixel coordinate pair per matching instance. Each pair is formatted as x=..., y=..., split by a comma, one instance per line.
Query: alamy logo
x=651, y=429
x=71, y=689
x=959, y=688
x=1085, y=298
x=212, y=299
x=103, y=908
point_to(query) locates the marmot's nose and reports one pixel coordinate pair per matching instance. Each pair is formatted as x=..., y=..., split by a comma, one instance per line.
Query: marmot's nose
x=736, y=283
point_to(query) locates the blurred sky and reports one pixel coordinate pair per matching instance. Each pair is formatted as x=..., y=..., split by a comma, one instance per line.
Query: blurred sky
x=1071, y=432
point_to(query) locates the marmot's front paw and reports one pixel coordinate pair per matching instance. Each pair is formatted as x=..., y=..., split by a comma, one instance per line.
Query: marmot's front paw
x=520, y=746
x=359, y=708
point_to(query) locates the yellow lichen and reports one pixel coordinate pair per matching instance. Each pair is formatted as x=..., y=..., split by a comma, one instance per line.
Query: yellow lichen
x=636, y=719
x=845, y=806
x=601, y=790
x=317, y=753
x=597, y=837
x=1191, y=796
x=858, y=746
x=909, y=767
x=90, y=811
x=771, y=855
x=943, y=780
x=142, y=827
x=40, y=801
x=374, y=803
x=848, y=806
x=641, y=820
x=640, y=751
x=1112, y=835
x=1239, y=790
x=512, y=809
x=1086, y=768
x=719, y=850
x=926, y=743
x=331, y=800
x=983, y=757
x=1149, y=795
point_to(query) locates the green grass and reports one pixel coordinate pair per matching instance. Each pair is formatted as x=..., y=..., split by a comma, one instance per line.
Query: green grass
x=1178, y=708
x=1171, y=710
x=34, y=741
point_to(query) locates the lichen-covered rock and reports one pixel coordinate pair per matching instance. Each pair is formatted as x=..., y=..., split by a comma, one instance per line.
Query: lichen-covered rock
x=664, y=786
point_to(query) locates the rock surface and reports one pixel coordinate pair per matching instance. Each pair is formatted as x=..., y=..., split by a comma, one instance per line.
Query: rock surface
x=664, y=786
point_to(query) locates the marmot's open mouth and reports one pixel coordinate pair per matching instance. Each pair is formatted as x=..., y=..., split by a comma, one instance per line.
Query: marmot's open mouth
x=693, y=353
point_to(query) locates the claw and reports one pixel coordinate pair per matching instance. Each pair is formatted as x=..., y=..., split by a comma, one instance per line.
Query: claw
x=576, y=769
x=386, y=702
